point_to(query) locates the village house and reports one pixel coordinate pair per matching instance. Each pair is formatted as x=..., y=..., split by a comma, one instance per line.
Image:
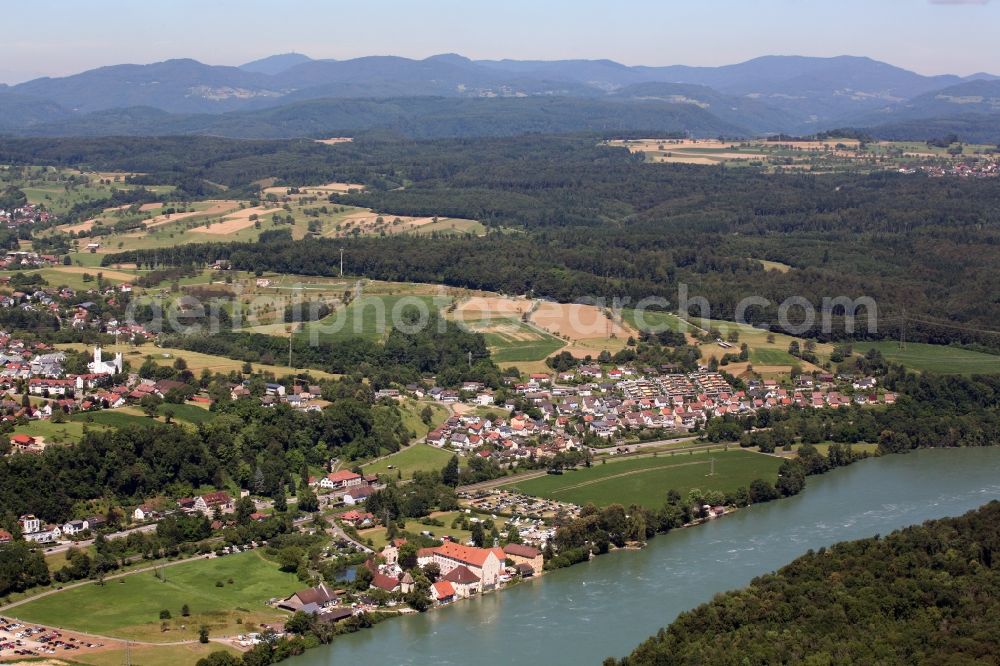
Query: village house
x=526, y=555
x=463, y=581
x=443, y=592
x=75, y=527
x=310, y=600
x=340, y=480
x=218, y=500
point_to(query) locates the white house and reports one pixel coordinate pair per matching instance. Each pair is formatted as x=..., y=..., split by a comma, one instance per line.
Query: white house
x=30, y=524
x=345, y=478
x=75, y=527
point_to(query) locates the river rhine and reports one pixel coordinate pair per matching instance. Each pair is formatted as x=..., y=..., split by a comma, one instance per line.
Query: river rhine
x=606, y=607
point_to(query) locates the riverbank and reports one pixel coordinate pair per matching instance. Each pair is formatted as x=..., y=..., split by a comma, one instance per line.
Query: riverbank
x=570, y=618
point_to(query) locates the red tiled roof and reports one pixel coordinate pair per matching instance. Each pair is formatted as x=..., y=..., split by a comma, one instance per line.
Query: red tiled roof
x=387, y=583
x=343, y=475
x=454, y=551
x=443, y=588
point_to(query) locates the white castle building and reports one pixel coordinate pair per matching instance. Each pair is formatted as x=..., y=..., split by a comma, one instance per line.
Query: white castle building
x=100, y=367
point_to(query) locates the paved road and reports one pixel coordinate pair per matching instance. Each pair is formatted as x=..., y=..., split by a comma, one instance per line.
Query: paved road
x=339, y=532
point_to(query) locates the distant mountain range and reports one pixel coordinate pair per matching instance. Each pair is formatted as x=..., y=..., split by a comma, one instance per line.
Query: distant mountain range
x=450, y=95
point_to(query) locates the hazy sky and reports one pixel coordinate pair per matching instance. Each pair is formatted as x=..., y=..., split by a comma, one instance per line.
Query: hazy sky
x=59, y=37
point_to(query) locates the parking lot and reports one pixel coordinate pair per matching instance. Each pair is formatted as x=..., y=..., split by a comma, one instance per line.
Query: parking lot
x=18, y=639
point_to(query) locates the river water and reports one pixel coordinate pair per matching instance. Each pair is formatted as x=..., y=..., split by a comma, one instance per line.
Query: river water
x=606, y=607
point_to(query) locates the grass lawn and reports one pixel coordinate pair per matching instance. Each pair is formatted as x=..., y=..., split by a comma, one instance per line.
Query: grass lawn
x=193, y=414
x=645, y=481
x=765, y=356
x=69, y=432
x=116, y=418
x=371, y=317
x=167, y=655
x=129, y=607
x=411, y=409
x=419, y=457
x=652, y=319
x=941, y=359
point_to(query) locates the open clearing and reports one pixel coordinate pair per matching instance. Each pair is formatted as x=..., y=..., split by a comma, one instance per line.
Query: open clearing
x=129, y=607
x=941, y=359
x=645, y=481
x=372, y=316
x=418, y=457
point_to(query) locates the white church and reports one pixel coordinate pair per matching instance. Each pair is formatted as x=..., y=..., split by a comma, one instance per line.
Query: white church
x=101, y=367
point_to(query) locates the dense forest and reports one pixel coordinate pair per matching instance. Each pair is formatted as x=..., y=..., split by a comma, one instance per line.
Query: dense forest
x=927, y=594
x=451, y=354
x=246, y=445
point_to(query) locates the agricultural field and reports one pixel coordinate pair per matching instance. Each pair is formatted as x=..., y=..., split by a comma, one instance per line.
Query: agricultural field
x=587, y=329
x=783, y=154
x=511, y=340
x=645, y=481
x=415, y=458
x=129, y=607
x=939, y=359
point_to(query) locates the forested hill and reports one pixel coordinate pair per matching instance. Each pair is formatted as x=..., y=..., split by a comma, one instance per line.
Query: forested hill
x=928, y=594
